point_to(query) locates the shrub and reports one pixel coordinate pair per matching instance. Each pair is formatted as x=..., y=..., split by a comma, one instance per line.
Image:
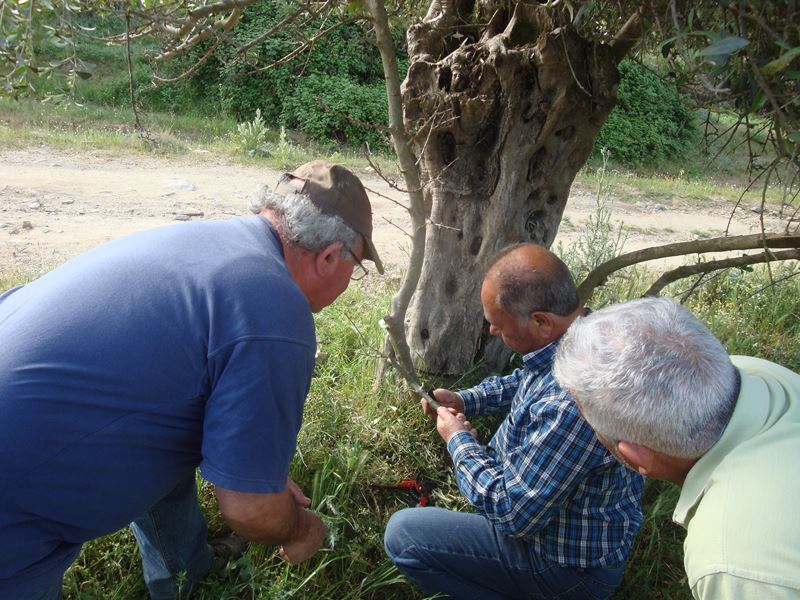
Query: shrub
x=651, y=122
x=335, y=108
x=252, y=136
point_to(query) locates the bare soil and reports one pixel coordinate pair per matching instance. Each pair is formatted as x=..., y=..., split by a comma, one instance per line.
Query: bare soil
x=55, y=204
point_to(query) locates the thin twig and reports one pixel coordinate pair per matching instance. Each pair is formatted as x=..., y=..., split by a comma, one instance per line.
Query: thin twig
x=131, y=84
x=393, y=224
x=412, y=380
x=569, y=64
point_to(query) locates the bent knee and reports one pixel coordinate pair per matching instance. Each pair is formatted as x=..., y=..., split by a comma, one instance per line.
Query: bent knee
x=393, y=541
x=399, y=535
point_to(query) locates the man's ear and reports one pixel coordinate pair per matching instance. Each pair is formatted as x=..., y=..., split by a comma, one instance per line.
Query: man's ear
x=637, y=456
x=327, y=259
x=542, y=323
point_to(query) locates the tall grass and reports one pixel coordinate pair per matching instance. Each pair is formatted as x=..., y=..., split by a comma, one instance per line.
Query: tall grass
x=357, y=433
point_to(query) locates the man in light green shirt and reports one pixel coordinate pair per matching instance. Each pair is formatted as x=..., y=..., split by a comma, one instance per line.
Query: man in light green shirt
x=663, y=395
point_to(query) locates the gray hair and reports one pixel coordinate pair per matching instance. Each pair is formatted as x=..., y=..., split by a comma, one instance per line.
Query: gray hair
x=523, y=288
x=302, y=222
x=649, y=372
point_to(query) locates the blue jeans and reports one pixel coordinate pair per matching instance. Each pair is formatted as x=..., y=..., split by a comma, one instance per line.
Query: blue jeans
x=172, y=543
x=461, y=555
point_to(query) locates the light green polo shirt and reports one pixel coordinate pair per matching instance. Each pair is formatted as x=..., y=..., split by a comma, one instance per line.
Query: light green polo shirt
x=740, y=503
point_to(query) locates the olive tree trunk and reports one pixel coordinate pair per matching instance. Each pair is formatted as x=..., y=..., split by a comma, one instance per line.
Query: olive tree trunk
x=502, y=115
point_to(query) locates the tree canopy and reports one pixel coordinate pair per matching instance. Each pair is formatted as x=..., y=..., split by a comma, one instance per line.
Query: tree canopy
x=499, y=108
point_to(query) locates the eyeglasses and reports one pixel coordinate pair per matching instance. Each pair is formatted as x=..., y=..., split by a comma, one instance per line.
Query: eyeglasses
x=359, y=270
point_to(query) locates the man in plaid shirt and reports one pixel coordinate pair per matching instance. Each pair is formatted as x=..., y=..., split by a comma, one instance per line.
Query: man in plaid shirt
x=555, y=513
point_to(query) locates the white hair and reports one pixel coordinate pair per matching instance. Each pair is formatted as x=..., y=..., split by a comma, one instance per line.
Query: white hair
x=649, y=372
x=302, y=222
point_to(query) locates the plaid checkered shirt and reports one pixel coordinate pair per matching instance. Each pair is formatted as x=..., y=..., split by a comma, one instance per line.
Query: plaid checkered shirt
x=544, y=475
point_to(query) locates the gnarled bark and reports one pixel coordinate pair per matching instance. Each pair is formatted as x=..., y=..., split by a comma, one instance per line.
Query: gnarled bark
x=504, y=116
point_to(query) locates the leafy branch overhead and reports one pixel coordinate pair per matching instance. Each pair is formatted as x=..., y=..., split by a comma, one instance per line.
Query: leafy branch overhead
x=500, y=107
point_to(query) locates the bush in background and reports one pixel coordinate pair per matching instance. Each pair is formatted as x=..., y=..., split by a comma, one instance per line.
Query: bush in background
x=335, y=108
x=651, y=122
x=334, y=92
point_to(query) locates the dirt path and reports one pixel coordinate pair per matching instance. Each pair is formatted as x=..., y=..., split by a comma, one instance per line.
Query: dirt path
x=55, y=204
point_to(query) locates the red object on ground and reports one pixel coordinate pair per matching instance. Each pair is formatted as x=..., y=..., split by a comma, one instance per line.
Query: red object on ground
x=422, y=489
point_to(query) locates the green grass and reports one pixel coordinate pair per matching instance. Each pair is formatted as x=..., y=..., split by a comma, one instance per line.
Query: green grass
x=356, y=433
x=672, y=188
x=111, y=131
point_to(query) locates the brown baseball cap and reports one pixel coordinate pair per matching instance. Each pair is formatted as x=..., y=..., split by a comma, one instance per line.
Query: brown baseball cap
x=335, y=191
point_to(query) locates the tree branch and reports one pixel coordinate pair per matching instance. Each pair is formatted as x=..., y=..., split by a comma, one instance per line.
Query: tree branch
x=721, y=244
x=395, y=321
x=629, y=35
x=716, y=265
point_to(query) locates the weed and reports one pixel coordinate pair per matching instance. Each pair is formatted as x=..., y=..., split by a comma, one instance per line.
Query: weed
x=701, y=234
x=252, y=136
x=601, y=239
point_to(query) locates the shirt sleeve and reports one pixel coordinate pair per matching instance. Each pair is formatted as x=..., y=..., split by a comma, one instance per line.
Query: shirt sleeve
x=731, y=587
x=254, y=412
x=523, y=492
x=492, y=395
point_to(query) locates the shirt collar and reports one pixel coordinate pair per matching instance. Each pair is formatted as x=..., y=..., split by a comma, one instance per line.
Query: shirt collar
x=749, y=415
x=541, y=359
x=273, y=234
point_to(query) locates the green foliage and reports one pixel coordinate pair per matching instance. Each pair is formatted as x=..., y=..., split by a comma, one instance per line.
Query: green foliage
x=651, y=122
x=655, y=566
x=340, y=77
x=252, y=136
x=356, y=434
x=335, y=108
x=333, y=92
x=750, y=314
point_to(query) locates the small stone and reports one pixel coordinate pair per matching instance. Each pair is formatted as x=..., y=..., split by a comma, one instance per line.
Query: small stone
x=182, y=217
x=659, y=207
x=27, y=225
x=642, y=205
x=756, y=209
x=181, y=184
x=369, y=170
x=68, y=201
x=34, y=206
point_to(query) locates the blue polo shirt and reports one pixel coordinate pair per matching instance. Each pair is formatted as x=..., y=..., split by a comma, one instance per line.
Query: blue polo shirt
x=131, y=365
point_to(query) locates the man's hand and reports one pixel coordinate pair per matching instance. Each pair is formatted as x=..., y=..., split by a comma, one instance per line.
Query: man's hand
x=444, y=397
x=305, y=545
x=449, y=422
x=274, y=519
x=299, y=497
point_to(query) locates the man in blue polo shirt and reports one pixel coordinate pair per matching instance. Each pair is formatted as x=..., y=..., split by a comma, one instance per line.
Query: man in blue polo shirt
x=128, y=367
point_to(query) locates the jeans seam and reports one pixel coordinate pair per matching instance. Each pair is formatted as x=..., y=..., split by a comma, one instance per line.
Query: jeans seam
x=161, y=548
x=495, y=559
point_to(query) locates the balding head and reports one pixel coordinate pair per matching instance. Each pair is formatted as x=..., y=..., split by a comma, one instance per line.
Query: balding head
x=528, y=278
